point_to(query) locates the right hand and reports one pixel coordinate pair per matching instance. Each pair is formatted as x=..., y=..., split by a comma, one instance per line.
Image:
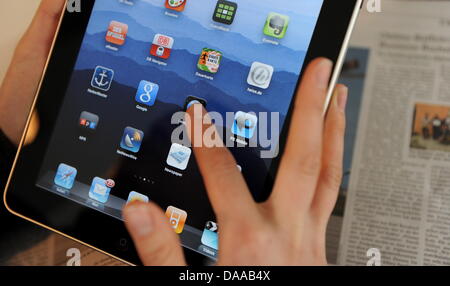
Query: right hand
x=288, y=229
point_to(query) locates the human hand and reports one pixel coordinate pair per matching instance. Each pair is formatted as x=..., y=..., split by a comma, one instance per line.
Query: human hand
x=22, y=79
x=307, y=182
x=290, y=227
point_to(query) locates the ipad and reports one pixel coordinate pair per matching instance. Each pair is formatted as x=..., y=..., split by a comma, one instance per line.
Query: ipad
x=120, y=74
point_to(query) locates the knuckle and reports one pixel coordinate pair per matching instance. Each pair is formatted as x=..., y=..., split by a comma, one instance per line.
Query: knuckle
x=336, y=122
x=309, y=165
x=159, y=254
x=332, y=176
x=257, y=238
x=340, y=124
x=220, y=165
x=251, y=232
x=312, y=104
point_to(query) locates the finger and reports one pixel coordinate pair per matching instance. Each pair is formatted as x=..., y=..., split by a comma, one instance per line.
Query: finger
x=226, y=187
x=332, y=157
x=300, y=166
x=155, y=241
x=16, y=94
x=41, y=32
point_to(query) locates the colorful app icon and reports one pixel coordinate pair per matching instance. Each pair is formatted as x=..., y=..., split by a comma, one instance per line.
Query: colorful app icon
x=65, y=176
x=177, y=218
x=177, y=5
x=276, y=25
x=260, y=75
x=99, y=190
x=179, y=156
x=244, y=124
x=225, y=12
x=137, y=197
x=210, y=236
x=132, y=139
x=209, y=60
x=88, y=120
x=162, y=46
x=102, y=78
x=146, y=93
x=191, y=100
x=117, y=33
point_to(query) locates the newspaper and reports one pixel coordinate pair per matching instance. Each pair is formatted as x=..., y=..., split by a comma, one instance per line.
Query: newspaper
x=398, y=198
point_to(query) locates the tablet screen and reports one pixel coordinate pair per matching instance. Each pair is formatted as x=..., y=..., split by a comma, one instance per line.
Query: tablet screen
x=118, y=136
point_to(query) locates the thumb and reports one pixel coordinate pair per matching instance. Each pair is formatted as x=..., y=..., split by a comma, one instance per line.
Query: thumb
x=155, y=241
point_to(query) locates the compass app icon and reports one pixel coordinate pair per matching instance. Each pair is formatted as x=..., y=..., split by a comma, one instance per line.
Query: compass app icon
x=102, y=78
x=65, y=176
x=132, y=139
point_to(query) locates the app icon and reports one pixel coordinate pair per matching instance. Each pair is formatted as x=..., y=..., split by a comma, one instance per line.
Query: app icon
x=276, y=25
x=177, y=218
x=88, y=120
x=210, y=236
x=117, y=33
x=260, y=75
x=99, y=190
x=137, y=197
x=179, y=156
x=244, y=124
x=209, y=60
x=102, y=78
x=162, y=46
x=177, y=5
x=193, y=100
x=132, y=139
x=147, y=93
x=65, y=176
x=225, y=12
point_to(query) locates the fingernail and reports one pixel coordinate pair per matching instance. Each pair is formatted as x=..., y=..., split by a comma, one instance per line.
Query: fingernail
x=342, y=96
x=323, y=73
x=139, y=219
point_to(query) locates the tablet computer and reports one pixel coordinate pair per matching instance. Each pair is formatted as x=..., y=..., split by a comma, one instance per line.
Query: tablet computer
x=118, y=73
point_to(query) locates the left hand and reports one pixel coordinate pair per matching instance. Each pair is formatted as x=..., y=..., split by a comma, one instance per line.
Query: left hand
x=25, y=71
